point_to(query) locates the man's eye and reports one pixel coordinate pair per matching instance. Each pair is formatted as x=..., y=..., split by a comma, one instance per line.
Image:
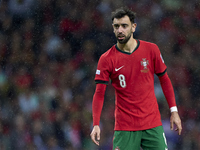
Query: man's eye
x=116, y=26
x=124, y=25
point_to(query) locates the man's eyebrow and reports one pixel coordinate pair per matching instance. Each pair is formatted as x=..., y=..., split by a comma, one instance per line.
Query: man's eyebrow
x=120, y=24
x=115, y=24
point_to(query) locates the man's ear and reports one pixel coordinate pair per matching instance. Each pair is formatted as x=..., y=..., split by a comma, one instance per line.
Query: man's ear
x=134, y=25
x=113, y=27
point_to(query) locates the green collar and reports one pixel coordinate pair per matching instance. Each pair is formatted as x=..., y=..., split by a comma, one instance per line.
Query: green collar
x=138, y=44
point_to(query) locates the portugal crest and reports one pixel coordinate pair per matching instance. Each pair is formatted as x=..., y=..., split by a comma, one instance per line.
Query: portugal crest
x=145, y=64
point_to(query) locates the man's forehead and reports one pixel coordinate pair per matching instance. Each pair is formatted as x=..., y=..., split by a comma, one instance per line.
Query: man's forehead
x=123, y=20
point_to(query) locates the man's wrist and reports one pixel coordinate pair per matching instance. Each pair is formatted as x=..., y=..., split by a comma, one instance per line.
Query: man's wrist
x=173, y=109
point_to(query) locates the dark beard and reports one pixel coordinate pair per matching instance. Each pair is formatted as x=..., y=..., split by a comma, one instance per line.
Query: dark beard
x=124, y=41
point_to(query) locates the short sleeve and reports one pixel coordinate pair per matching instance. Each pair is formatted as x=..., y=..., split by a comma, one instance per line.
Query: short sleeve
x=103, y=70
x=159, y=64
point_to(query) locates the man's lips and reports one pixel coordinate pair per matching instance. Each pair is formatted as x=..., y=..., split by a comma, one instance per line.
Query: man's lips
x=120, y=37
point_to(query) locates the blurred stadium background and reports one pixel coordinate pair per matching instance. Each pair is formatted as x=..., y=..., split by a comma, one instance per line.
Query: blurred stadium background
x=48, y=55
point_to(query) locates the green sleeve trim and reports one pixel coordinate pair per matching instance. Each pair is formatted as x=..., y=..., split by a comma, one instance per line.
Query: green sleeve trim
x=161, y=74
x=100, y=81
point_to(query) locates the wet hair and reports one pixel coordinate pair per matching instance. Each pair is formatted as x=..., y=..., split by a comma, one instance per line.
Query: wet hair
x=124, y=11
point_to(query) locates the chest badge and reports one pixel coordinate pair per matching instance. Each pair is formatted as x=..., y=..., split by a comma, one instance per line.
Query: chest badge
x=145, y=64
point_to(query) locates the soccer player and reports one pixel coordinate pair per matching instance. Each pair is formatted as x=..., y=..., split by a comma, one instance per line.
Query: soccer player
x=131, y=65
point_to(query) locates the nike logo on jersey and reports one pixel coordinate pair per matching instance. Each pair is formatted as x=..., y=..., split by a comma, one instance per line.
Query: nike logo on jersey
x=117, y=69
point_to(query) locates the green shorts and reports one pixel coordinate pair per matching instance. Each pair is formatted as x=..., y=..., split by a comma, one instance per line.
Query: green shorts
x=151, y=139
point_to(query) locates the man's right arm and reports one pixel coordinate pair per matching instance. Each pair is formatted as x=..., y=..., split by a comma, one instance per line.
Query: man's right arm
x=97, y=106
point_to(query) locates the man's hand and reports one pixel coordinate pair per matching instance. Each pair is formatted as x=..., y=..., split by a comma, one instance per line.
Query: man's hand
x=95, y=134
x=175, y=119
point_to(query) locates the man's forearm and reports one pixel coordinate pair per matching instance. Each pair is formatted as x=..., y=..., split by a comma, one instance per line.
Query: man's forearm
x=97, y=103
x=168, y=91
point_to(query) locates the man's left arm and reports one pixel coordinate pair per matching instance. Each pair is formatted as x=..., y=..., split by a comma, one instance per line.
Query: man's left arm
x=170, y=97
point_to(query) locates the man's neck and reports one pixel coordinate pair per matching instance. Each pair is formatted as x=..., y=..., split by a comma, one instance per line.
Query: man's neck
x=129, y=46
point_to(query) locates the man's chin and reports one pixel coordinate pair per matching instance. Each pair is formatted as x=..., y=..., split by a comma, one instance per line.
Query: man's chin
x=122, y=41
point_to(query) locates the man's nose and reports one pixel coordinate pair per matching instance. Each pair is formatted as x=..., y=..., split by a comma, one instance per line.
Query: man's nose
x=120, y=29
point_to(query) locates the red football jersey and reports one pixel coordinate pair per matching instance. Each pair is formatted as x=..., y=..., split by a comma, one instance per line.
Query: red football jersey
x=132, y=76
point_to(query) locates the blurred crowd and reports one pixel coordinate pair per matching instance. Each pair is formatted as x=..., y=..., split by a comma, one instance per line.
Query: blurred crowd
x=49, y=51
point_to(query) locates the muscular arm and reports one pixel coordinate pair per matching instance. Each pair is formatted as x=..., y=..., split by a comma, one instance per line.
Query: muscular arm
x=169, y=95
x=97, y=105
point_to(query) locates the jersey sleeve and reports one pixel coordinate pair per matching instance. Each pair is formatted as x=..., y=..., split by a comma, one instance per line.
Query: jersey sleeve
x=168, y=90
x=159, y=64
x=103, y=71
x=97, y=103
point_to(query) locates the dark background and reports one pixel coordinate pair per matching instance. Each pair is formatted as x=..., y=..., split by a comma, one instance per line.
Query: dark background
x=48, y=55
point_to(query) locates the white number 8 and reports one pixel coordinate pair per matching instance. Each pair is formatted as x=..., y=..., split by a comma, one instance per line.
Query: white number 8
x=122, y=80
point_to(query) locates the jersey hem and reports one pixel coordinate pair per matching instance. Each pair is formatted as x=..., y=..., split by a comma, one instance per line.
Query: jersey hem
x=138, y=129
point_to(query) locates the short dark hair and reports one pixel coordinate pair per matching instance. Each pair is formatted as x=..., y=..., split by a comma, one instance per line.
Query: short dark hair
x=123, y=11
